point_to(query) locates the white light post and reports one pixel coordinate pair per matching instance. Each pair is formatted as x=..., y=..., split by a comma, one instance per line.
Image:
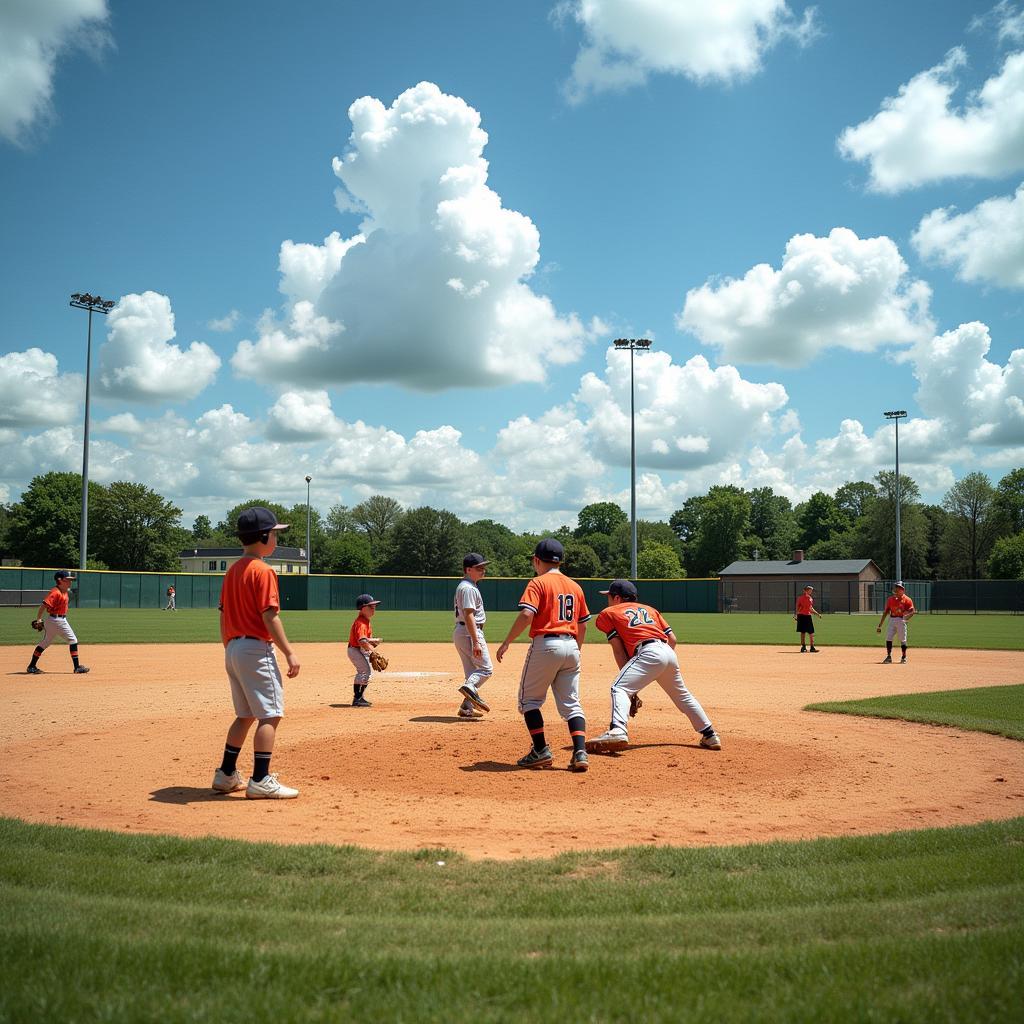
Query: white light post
x=83, y=300
x=309, y=551
x=896, y=415
x=621, y=344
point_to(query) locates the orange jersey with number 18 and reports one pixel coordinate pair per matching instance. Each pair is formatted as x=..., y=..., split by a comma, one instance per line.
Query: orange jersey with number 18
x=557, y=603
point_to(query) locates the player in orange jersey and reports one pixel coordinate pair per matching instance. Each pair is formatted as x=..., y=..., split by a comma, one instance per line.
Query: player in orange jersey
x=644, y=647
x=554, y=608
x=900, y=610
x=55, y=605
x=805, y=612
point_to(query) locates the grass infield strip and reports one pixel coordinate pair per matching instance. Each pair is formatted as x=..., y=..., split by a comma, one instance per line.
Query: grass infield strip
x=992, y=709
x=150, y=625
x=917, y=926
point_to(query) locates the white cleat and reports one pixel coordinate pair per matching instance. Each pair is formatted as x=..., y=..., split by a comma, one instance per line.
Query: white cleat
x=269, y=789
x=470, y=713
x=608, y=742
x=711, y=742
x=223, y=783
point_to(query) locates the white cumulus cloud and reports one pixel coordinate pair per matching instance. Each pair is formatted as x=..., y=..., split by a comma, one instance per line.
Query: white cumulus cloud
x=918, y=136
x=302, y=416
x=33, y=34
x=139, y=363
x=836, y=292
x=625, y=41
x=225, y=323
x=34, y=393
x=984, y=244
x=431, y=293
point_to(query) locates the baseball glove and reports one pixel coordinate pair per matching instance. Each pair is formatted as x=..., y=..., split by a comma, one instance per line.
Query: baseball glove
x=635, y=704
x=378, y=661
x=37, y=624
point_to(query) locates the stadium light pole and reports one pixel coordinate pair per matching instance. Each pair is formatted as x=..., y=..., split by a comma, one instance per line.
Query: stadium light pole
x=309, y=551
x=633, y=344
x=91, y=303
x=896, y=415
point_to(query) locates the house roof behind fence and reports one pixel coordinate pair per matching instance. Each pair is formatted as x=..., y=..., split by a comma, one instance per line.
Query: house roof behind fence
x=806, y=568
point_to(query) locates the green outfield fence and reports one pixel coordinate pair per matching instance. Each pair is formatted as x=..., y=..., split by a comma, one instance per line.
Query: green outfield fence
x=93, y=588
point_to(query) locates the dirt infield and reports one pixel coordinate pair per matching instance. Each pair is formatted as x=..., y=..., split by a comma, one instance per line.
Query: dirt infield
x=133, y=745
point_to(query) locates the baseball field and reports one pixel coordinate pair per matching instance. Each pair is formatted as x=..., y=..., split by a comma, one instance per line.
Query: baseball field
x=867, y=865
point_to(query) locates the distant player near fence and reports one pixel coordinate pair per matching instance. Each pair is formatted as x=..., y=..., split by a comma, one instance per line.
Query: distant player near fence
x=805, y=612
x=900, y=610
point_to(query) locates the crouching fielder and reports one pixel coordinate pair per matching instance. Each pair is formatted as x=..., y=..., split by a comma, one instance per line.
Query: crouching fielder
x=644, y=648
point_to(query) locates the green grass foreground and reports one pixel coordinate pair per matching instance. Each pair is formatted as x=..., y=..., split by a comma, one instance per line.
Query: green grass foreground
x=918, y=926
x=138, y=626
x=993, y=709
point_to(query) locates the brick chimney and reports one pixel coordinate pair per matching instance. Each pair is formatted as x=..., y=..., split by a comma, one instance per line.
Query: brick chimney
x=798, y=555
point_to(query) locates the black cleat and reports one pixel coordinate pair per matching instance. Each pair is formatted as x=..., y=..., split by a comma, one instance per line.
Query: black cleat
x=33, y=671
x=80, y=670
x=361, y=702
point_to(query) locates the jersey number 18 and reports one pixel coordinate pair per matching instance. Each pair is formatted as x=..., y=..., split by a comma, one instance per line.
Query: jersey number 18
x=566, y=607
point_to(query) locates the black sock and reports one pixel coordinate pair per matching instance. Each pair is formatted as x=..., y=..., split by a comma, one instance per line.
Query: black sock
x=535, y=723
x=578, y=732
x=888, y=647
x=261, y=766
x=904, y=648
x=74, y=654
x=357, y=691
x=36, y=654
x=230, y=762
x=709, y=731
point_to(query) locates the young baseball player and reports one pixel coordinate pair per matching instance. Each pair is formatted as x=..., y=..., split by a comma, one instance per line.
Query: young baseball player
x=250, y=625
x=468, y=636
x=645, y=651
x=360, y=642
x=900, y=610
x=170, y=606
x=805, y=612
x=554, y=608
x=55, y=623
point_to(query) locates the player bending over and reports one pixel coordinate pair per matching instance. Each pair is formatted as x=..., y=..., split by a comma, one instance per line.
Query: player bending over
x=644, y=647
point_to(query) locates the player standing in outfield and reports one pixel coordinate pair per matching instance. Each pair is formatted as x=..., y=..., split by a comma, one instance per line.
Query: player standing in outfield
x=171, y=606
x=55, y=605
x=468, y=636
x=644, y=647
x=805, y=612
x=554, y=608
x=250, y=625
x=900, y=610
x=360, y=642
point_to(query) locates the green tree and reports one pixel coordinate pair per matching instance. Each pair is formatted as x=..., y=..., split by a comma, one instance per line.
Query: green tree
x=137, y=529
x=647, y=532
x=604, y=547
x=426, y=542
x=1010, y=502
x=853, y=499
x=842, y=544
x=818, y=518
x=1007, y=559
x=508, y=553
x=658, y=562
x=581, y=560
x=377, y=517
x=45, y=524
x=599, y=517
x=296, y=516
x=936, y=516
x=773, y=529
x=348, y=554
x=722, y=519
x=972, y=526
x=5, y=526
x=202, y=529
x=876, y=530
x=340, y=520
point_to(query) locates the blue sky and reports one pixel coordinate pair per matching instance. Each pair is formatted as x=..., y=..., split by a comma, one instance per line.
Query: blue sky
x=813, y=212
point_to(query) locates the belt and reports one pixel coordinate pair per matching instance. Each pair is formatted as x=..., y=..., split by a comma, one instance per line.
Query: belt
x=57, y=616
x=259, y=638
x=644, y=643
x=570, y=635
x=459, y=622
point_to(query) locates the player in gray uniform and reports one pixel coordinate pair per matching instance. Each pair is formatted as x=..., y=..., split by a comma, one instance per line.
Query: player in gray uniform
x=468, y=636
x=644, y=647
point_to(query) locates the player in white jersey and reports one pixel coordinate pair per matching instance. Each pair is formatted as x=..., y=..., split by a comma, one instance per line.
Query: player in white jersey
x=468, y=636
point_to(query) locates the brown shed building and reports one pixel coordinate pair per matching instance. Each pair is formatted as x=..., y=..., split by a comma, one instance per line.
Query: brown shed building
x=840, y=584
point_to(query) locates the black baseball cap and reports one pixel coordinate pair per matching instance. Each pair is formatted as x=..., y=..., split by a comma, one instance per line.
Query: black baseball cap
x=549, y=550
x=62, y=574
x=258, y=520
x=364, y=599
x=623, y=589
x=473, y=559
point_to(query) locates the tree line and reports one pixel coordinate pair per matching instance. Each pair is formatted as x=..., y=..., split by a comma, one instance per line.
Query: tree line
x=976, y=531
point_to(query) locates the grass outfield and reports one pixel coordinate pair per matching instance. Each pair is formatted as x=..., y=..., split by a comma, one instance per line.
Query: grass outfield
x=917, y=926
x=135, y=626
x=994, y=709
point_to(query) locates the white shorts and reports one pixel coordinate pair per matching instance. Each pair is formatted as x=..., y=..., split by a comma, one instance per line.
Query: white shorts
x=53, y=628
x=552, y=663
x=897, y=625
x=256, y=686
